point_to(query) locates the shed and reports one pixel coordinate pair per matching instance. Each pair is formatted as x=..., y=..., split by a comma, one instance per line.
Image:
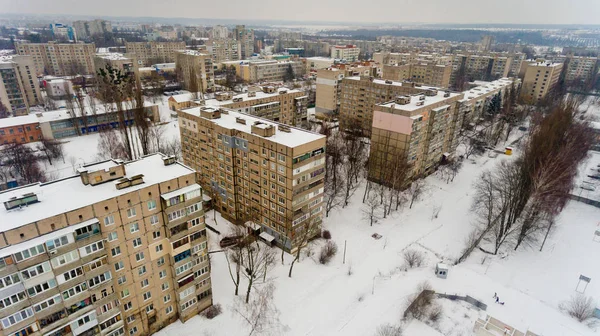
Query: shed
x=441, y=270
x=267, y=238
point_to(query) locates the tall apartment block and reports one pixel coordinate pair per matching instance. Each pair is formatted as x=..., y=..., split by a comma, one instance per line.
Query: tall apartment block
x=148, y=53
x=63, y=32
x=268, y=70
x=427, y=73
x=348, y=52
x=245, y=38
x=86, y=29
x=421, y=126
x=257, y=169
x=579, y=68
x=481, y=67
x=196, y=69
x=118, y=249
x=127, y=64
x=223, y=50
x=60, y=59
x=329, y=79
x=19, y=86
x=540, y=78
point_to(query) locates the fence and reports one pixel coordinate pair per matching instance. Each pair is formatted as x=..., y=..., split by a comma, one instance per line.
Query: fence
x=466, y=298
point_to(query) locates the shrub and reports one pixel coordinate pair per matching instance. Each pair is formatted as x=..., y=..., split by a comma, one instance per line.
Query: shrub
x=435, y=314
x=388, y=330
x=328, y=251
x=326, y=234
x=212, y=311
x=580, y=307
x=413, y=258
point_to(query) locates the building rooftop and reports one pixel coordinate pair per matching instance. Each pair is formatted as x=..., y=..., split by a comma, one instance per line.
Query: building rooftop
x=15, y=121
x=416, y=103
x=70, y=193
x=486, y=87
x=296, y=137
x=544, y=64
x=113, y=56
x=320, y=58
x=393, y=83
x=193, y=52
x=244, y=96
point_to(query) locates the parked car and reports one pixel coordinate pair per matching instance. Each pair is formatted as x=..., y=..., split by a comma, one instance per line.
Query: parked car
x=230, y=241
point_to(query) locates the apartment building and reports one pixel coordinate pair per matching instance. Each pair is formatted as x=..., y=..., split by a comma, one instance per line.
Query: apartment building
x=257, y=169
x=86, y=29
x=540, y=78
x=19, y=86
x=315, y=63
x=422, y=72
x=148, y=53
x=63, y=32
x=269, y=70
x=125, y=63
x=411, y=57
x=118, y=248
x=480, y=67
x=328, y=84
x=360, y=94
x=196, y=70
x=281, y=105
x=348, y=52
x=421, y=126
x=223, y=50
x=579, y=68
x=20, y=130
x=245, y=38
x=477, y=98
x=60, y=59
x=219, y=32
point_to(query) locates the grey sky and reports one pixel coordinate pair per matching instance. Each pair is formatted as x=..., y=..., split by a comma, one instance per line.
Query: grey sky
x=442, y=11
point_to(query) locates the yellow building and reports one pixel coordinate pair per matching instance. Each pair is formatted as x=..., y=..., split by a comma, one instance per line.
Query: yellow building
x=422, y=72
x=256, y=168
x=117, y=61
x=60, y=59
x=348, y=52
x=19, y=87
x=120, y=248
x=540, y=78
x=148, y=53
x=195, y=69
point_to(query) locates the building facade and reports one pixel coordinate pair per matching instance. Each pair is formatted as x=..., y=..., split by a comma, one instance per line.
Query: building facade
x=424, y=73
x=245, y=38
x=127, y=64
x=223, y=50
x=60, y=59
x=269, y=70
x=119, y=248
x=19, y=86
x=87, y=29
x=540, y=78
x=148, y=53
x=63, y=32
x=20, y=130
x=257, y=169
x=348, y=52
x=196, y=70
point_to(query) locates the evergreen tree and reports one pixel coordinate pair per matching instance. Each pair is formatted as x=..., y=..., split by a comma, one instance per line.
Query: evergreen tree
x=289, y=74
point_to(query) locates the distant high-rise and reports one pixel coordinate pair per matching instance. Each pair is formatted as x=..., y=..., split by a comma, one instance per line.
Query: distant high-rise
x=486, y=42
x=60, y=59
x=245, y=38
x=19, y=86
x=148, y=53
x=540, y=78
x=196, y=70
x=219, y=32
x=64, y=32
x=345, y=52
x=87, y=29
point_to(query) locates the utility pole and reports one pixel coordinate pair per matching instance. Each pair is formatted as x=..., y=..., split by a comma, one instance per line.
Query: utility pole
x=344, y=262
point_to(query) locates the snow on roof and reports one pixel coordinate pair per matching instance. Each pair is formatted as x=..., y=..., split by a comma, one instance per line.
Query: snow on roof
x=244, y=96
x=181, y=191
x=321, y=58
x=296, y=137
x=114, y=56
x=20, y=120
x=70, y=193
x=193, y=52
x=486, y=87
x=429, y=100
x=180, y=98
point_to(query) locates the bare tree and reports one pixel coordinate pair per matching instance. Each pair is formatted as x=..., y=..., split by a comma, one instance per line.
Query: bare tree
x=580, y=307
x=260, y=314
x=413, y=258
x=302, y=233
x=416, y=189
x=52, y=149
x=110, y=146
x=389, y=330
x=23, y=162
x=328, y=251
x=156, y=138
x=4, y=112
x=257, y=259
x=235, y=257
x=334, y=182
x=371, y=209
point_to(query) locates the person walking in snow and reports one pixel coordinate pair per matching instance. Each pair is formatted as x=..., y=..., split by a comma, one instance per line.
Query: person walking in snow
x=497, y=298
x=495, y=295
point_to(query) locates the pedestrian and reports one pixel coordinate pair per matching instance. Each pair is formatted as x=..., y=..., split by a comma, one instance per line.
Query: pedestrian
x=495, y=295
x=497, y=299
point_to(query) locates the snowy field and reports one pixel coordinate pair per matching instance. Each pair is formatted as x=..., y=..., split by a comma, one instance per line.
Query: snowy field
x=326, y=300
x=370, y=289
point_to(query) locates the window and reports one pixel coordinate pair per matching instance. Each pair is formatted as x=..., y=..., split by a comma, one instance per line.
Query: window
x=164, y=286
x=144, y=283
x=124, y=293
x=127, y=306
x=135, y=227
x=149, y=308
x=64, y=259
x=75, y=290
x=17, y=317
x=11, y=300
x=147, y=296
x=70, y=275
x=187, y=292
x=188, y=304
x=154, y=219
x=109, y=220
x=151, y=204
x=58, y=242
x=167, y=298
x=29, y=253
x=130, y=319
x=47, y=303
x=119, y=266
x=131, y=212
x=9, y=280
x=169, y=310
x=142, y=270
x=115, y=251
x=112, y=236
x=161, y=261
x=183, y=268
x=281, y=157
x=195, y=221
x=98, y=279
x=137, y=242
x=182, y=255
x=162, y=274
x=139, y=256
x=122, y=279
x=159, y=247
x=38, y=289
x=92, y=248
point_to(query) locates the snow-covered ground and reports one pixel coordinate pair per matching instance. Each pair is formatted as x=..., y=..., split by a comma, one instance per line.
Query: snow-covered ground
x=326, y=300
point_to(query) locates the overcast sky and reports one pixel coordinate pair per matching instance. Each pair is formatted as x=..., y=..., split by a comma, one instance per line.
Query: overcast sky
x=440, y=11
